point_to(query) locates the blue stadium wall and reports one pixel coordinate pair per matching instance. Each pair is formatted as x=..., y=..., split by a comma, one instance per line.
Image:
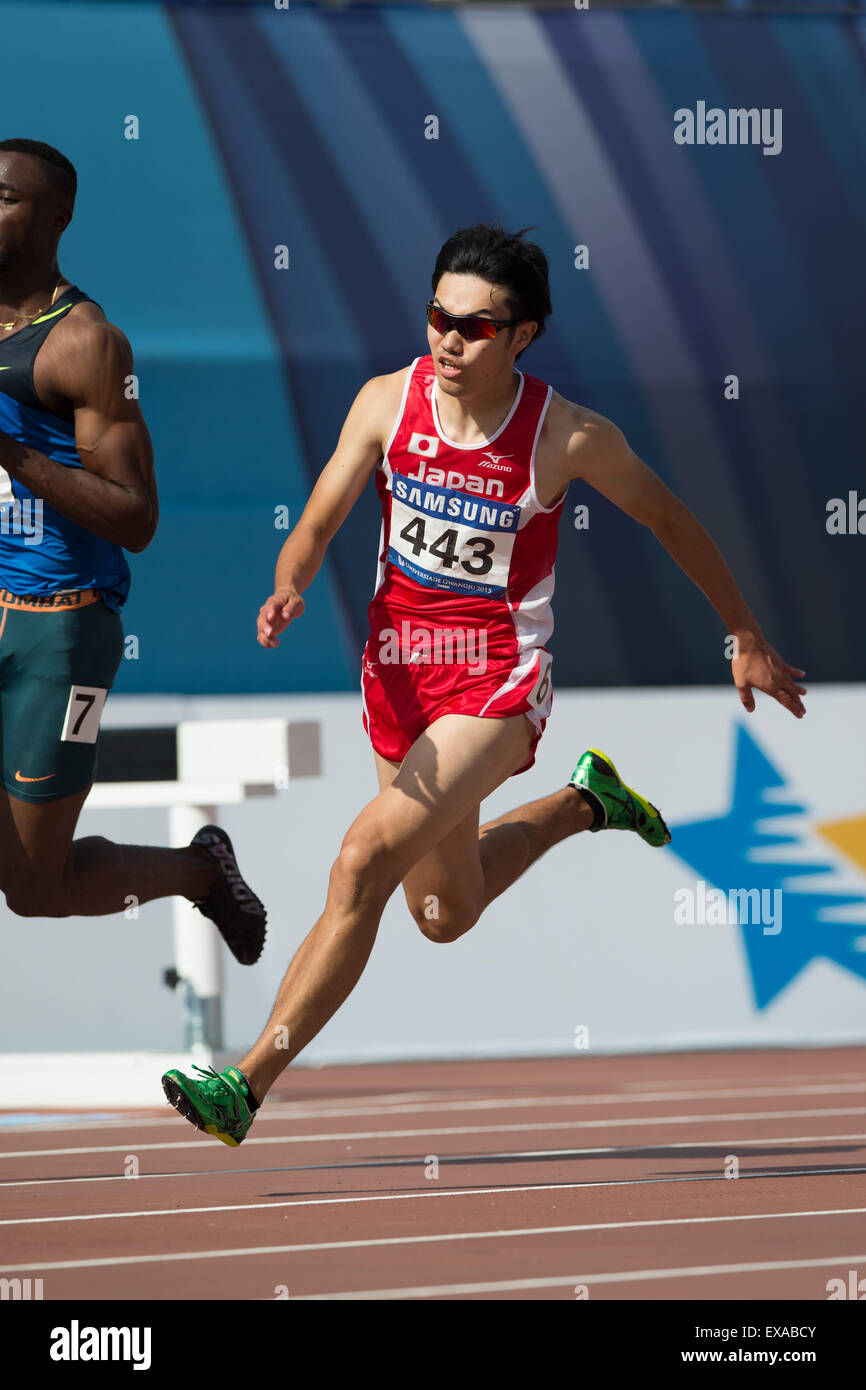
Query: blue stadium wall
x=306, y=128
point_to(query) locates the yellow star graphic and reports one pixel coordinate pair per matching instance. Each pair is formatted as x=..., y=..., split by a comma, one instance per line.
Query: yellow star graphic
x=849, y=836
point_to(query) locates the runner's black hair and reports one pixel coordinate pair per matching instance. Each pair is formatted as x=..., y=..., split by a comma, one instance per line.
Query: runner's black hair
x=61, y=173
x=501, y=258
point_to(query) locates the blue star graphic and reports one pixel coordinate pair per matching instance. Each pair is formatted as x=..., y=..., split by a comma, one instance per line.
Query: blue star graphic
x=718, y=851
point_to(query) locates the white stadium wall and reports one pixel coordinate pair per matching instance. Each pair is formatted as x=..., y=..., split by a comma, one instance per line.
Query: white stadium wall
x=591, y=949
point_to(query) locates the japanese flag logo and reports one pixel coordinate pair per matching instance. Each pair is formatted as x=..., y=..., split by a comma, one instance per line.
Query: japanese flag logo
x=426, y=444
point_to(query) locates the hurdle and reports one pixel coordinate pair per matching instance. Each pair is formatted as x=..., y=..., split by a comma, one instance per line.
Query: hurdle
x=189, y=769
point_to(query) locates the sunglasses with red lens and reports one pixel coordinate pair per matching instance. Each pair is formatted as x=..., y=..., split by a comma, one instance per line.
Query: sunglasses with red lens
x=471, y=327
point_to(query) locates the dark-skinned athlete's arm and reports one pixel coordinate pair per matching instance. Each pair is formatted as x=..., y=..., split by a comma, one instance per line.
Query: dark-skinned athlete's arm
x=113, y=494
x=599, y=454
x=337, y=489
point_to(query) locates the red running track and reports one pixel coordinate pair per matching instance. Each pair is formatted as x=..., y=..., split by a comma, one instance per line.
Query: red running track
x=598, y=1177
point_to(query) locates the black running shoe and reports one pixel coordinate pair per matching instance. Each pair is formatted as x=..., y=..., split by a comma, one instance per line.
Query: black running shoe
x=231, y=903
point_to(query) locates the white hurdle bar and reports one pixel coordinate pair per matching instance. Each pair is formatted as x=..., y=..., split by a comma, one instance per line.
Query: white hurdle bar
x=220, y=762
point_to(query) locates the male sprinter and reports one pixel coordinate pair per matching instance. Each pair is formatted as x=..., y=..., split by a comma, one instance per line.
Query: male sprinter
x=76, y=489
x=472, y=460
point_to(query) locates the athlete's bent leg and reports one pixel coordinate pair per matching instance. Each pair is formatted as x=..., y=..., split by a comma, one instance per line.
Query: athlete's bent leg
x=509, y=845
x=445, y=890
x=449, y=769
x=45, y=873
x=449, y=888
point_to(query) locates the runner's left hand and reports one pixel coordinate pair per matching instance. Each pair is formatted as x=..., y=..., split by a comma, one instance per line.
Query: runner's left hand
x=757, y=665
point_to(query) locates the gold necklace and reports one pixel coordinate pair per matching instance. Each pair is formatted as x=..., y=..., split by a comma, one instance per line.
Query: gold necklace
x=38, y=311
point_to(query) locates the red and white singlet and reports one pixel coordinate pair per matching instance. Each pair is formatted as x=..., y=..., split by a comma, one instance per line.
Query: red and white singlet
x=462, y=606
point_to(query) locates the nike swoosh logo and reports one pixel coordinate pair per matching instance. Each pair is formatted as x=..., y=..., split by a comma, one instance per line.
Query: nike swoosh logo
x=5, y=369
x=45, y=317
x=19, y=777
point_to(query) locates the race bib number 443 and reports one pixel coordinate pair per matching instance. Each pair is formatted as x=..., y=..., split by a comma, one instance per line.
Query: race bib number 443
x=449, y=540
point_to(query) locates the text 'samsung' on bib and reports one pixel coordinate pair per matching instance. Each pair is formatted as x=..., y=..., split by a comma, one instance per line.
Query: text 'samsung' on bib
x=448, y=540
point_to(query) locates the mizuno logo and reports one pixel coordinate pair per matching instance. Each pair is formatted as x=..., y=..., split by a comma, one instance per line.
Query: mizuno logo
x=496, y=461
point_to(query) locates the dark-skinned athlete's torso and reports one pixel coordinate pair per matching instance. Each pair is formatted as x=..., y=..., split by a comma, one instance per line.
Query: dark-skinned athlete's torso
x=41, y=551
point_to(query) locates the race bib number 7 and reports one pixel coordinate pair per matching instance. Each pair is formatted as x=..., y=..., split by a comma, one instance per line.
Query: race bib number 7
x=449, y=540
x=83, y=713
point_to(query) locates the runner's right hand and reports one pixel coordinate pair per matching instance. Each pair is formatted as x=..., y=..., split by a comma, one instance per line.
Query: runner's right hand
x=275, y=615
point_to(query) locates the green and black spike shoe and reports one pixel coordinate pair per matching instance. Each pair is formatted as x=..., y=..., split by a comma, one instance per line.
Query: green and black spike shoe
x=617, y=806
x=217, y=1103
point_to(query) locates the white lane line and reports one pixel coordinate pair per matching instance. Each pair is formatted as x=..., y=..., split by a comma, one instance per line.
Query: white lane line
x=624, y=1150
x=103, y=1262
x=829, y=1077
x=630, y=1276
x=157, y=1114
x=618, y=1097
x=291, y=1110
x=533, y=1125
x=425, y=1196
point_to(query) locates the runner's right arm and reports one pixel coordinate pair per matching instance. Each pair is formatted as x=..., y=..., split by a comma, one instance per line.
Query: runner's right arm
x=340, y=484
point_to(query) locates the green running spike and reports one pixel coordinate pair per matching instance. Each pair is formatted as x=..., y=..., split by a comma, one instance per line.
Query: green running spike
x=622, y=807
x=216, y=1104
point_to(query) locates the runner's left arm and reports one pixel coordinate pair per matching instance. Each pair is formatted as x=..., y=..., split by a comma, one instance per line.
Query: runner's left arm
x=598, y=452
x=113, y=495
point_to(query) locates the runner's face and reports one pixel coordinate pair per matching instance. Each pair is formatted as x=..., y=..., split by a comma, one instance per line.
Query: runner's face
x=462, y=366
x=30, y=220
